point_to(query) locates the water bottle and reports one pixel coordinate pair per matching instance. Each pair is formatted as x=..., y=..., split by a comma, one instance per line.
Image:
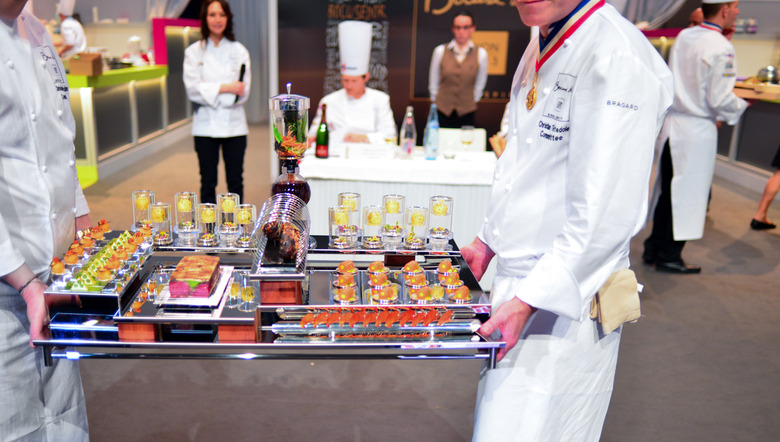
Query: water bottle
x=431, y=135
x=408, y=136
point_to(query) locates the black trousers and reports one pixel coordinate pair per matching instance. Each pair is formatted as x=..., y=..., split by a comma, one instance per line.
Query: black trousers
x=233, y=149
x=661, y=243
x=456, y=121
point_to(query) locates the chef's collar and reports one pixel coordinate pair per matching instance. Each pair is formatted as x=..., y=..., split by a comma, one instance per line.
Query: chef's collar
x=555, y=27
x=707, y=24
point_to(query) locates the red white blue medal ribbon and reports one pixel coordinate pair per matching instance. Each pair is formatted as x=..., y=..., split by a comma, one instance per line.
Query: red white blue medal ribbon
x=559, y=32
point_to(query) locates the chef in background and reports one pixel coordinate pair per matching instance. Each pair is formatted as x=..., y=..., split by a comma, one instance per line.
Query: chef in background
x=356, y=113
x=704, y=65
x=73, y=38
x=41, y=208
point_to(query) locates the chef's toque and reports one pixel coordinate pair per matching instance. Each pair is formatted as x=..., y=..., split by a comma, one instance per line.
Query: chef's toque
x=66, y=7
x=354, y=47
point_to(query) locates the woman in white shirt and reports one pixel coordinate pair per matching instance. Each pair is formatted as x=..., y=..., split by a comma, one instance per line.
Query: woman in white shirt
x=217, y=78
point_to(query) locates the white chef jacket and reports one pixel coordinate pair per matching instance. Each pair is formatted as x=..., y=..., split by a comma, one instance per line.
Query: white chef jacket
x=206, y=67
x=568, y=194
x=370, y=115
x=39, y=199
x=704, y=67
x=434, y=72
x=72, y=34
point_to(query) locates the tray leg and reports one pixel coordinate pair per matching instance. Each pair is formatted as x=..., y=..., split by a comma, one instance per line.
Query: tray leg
x=47, y=359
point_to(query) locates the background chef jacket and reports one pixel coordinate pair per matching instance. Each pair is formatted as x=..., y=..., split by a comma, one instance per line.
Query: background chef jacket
x=206, y=67
x=568, y=194
x=370, y=115
x=72, y=34
x=39, y=199
x=704, y=66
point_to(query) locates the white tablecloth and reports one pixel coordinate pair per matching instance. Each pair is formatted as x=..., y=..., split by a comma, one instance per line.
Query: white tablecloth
x=466, y=178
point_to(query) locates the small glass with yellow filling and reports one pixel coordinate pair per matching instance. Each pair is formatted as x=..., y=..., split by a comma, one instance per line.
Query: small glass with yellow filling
x=142, y=202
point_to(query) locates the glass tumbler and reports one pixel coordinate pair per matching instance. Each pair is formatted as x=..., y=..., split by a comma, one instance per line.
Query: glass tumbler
x=246, y=215
x=373, y=221
x=341, y=227
x=440, y=221
x=393, y=206
x=226, y=208
x=160, y=214
x=142, y=200
x=416, y=227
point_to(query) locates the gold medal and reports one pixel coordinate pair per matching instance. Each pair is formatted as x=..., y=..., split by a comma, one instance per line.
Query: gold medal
x=530, y=99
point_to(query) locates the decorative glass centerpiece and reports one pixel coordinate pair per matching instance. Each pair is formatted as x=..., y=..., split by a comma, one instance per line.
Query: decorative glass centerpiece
x=289, y=125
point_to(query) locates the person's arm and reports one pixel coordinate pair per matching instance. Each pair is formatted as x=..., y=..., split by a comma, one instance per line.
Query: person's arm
x=31, y=289
x=434, y=72
x=478, y=256
x=228, y=91
x=482, y=74
x=720, y=90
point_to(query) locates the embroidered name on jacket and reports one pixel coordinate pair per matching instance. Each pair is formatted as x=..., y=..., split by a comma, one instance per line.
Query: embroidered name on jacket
x=622, y=105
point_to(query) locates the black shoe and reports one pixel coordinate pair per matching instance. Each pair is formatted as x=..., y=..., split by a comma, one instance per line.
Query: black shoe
x=649, y=256
x=760, y=225
x=677, y=267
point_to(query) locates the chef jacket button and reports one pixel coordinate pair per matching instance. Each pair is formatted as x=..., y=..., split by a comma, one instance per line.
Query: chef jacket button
x=566, y=43
x=10, y=64
x=495, y=232
x=44, y=168
x=43, y=63
x=53, y=216
x=528, y=141
x=485, y=220
x=33, y=117
x=71, y=163
x=75, y=210
x=59, y=112
x=508, y=187
x=546, y=90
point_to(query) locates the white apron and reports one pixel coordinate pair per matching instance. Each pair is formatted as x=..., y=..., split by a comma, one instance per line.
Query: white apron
x=704, y=67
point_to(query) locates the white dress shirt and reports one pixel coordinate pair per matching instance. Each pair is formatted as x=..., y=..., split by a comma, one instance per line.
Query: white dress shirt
x=206, y=68
x=434, y=75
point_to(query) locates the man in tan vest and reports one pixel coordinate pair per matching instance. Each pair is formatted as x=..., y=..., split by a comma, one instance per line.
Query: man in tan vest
x=458, y=74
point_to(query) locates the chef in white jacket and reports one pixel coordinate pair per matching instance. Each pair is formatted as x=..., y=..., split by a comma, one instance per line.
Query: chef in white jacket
x=217, y=79
x=356, y=113
x=73, y=38
x=704, y=67
x=587, y=102
x=41, y=207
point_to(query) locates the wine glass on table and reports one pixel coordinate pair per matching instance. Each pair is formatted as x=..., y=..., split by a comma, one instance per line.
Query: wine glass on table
x=466, y=137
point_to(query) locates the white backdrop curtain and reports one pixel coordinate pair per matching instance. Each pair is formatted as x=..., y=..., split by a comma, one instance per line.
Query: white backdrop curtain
x=653, y=12
x=165, y=8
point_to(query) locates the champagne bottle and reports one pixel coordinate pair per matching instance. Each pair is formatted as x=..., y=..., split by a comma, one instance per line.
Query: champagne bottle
x=408, y=136
x=321, y=149
x=431, y=136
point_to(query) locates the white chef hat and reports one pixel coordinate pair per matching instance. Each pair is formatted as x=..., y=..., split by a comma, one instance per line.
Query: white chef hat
x=66, y=7
x=714, y=2
x=354, y=47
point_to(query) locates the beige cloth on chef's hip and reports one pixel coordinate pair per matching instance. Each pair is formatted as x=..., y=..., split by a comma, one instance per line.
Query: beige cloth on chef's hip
x=617, y=302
